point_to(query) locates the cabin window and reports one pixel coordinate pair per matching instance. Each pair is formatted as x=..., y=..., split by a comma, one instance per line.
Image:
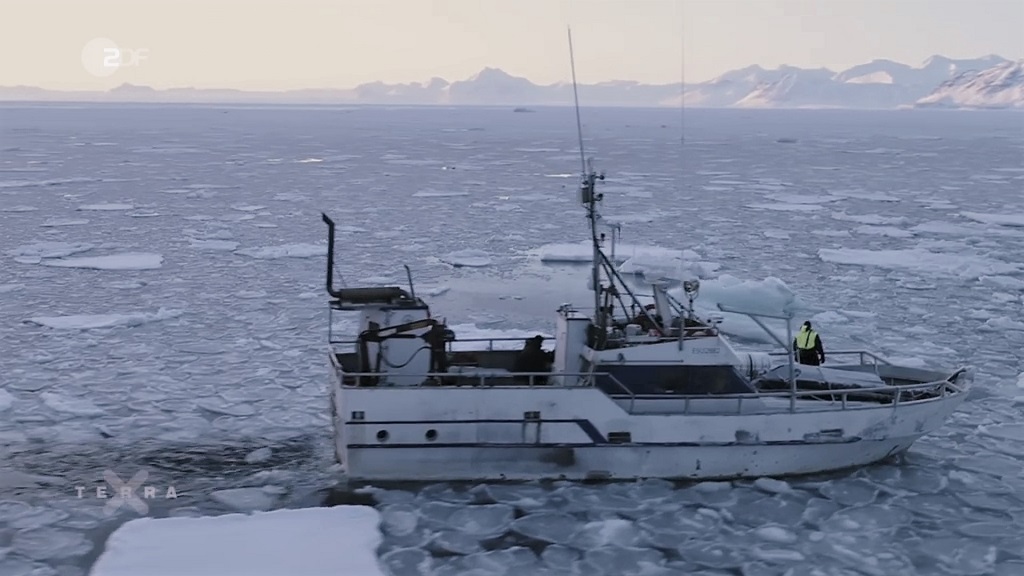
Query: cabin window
x=431, y=435
x=382, y=435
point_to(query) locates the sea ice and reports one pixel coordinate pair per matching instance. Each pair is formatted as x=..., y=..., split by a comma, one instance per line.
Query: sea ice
x=71, y=405
x=89, y=321
x=42, y=250
x=106, y=207
x=483, y=520
x=962, y=265
x=584, y=252
x=245, y=499
x=783, y=207
x=226, y=245
x=438, y=194
x=284, y=251
x=469, y=258
x=126, y=261
x=889, y=231
x=1014, y=220
x=310, y=541
x=58, y=222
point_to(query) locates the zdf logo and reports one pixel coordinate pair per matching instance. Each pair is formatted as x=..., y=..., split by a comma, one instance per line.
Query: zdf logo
x=101, y=57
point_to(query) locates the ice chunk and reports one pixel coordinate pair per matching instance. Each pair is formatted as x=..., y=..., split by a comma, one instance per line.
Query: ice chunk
x=245, y=499
x=57, y=222
x=399, y=519
x=1015, y=220
x=126, y=261
x=552, y=527
x=1005, y=282
x=962, y=265
x=227, y=245
x=50, y=249
x=597, y=534
x=335, y=540
x=775, y=533
x=584, y=252
x=438, y=194
x=483, y=521
x=869, y=219
x=89, y=321
x=284, y=251
x=258, y=455
x=784, y=207
x=6, y=400
x=71, y=405
x=50, y=544
x=849, y=492
x=106, y=207
x=470, y=258
x=888, y=231
x=772, y=485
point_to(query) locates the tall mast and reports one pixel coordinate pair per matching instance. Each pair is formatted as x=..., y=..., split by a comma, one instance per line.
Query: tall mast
x=589, y=199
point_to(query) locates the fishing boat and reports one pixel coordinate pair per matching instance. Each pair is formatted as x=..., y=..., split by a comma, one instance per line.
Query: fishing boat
x=635, y=389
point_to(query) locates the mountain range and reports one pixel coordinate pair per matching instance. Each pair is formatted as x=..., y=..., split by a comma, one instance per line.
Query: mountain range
x=986, y=82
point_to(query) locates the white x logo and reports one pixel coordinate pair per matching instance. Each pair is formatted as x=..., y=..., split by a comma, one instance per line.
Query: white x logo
x=125, y=492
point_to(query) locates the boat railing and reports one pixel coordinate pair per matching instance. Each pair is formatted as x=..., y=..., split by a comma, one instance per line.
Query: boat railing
x=940, y=389
x=863, y=356
x=487, y=379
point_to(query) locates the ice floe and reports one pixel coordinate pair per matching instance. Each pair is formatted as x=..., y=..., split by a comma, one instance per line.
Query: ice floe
x=125, y=261
x=469, y=258
x=221, y=245
x=106, y=207
x=584, y=252
x=284, y=251
x=438, y=194
x=1015, y=220
x=962, y=265
x=786, y=207
x=310, y=541
x=34, y=253
x=60, y=222
x=88, y=321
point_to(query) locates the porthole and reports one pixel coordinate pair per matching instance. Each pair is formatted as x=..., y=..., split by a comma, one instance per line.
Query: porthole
x=382, y=435
x=431, y=435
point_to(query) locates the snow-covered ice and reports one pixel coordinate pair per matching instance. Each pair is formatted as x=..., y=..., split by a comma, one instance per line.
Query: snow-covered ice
x=284, y=251
x=308, y=542
x=968, y=266
x=87, y=321
x=472, y=258
x=124, y=261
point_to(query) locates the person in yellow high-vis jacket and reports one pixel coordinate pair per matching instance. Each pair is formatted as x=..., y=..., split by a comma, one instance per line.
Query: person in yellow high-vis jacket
x=807, y=346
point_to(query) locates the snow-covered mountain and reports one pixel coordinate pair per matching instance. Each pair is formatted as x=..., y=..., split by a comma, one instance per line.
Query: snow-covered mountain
x=1000, y=86
x=876, y=84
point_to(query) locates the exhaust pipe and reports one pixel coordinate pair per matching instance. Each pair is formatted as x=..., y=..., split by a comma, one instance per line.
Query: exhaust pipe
x=330, y=256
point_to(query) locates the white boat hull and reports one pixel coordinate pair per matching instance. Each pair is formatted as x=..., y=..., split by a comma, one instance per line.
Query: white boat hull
x=505, y=463
x=468, y=434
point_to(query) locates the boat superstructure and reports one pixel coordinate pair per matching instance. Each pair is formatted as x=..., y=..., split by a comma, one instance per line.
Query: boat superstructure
x=635, y=389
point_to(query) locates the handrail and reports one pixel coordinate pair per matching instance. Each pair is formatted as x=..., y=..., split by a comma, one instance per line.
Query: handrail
x=862, y=353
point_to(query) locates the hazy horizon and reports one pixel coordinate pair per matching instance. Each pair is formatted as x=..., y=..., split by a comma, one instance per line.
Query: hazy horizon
x=278, y=45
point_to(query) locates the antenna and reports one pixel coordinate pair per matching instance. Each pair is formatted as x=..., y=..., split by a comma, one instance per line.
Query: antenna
x=576, y=100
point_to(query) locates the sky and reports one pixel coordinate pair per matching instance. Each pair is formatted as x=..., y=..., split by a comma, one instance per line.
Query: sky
x=293, y=44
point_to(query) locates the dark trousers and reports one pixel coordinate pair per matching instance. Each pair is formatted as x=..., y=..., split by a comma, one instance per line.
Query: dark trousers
x=809, y=357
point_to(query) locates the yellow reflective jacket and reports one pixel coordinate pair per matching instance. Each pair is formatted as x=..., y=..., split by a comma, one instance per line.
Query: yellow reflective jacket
x=805, y=339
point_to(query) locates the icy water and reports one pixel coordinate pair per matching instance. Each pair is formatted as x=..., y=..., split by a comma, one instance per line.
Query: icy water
x=162, y=311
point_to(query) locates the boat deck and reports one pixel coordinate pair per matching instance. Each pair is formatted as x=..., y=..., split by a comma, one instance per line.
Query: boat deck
x=482, y=363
